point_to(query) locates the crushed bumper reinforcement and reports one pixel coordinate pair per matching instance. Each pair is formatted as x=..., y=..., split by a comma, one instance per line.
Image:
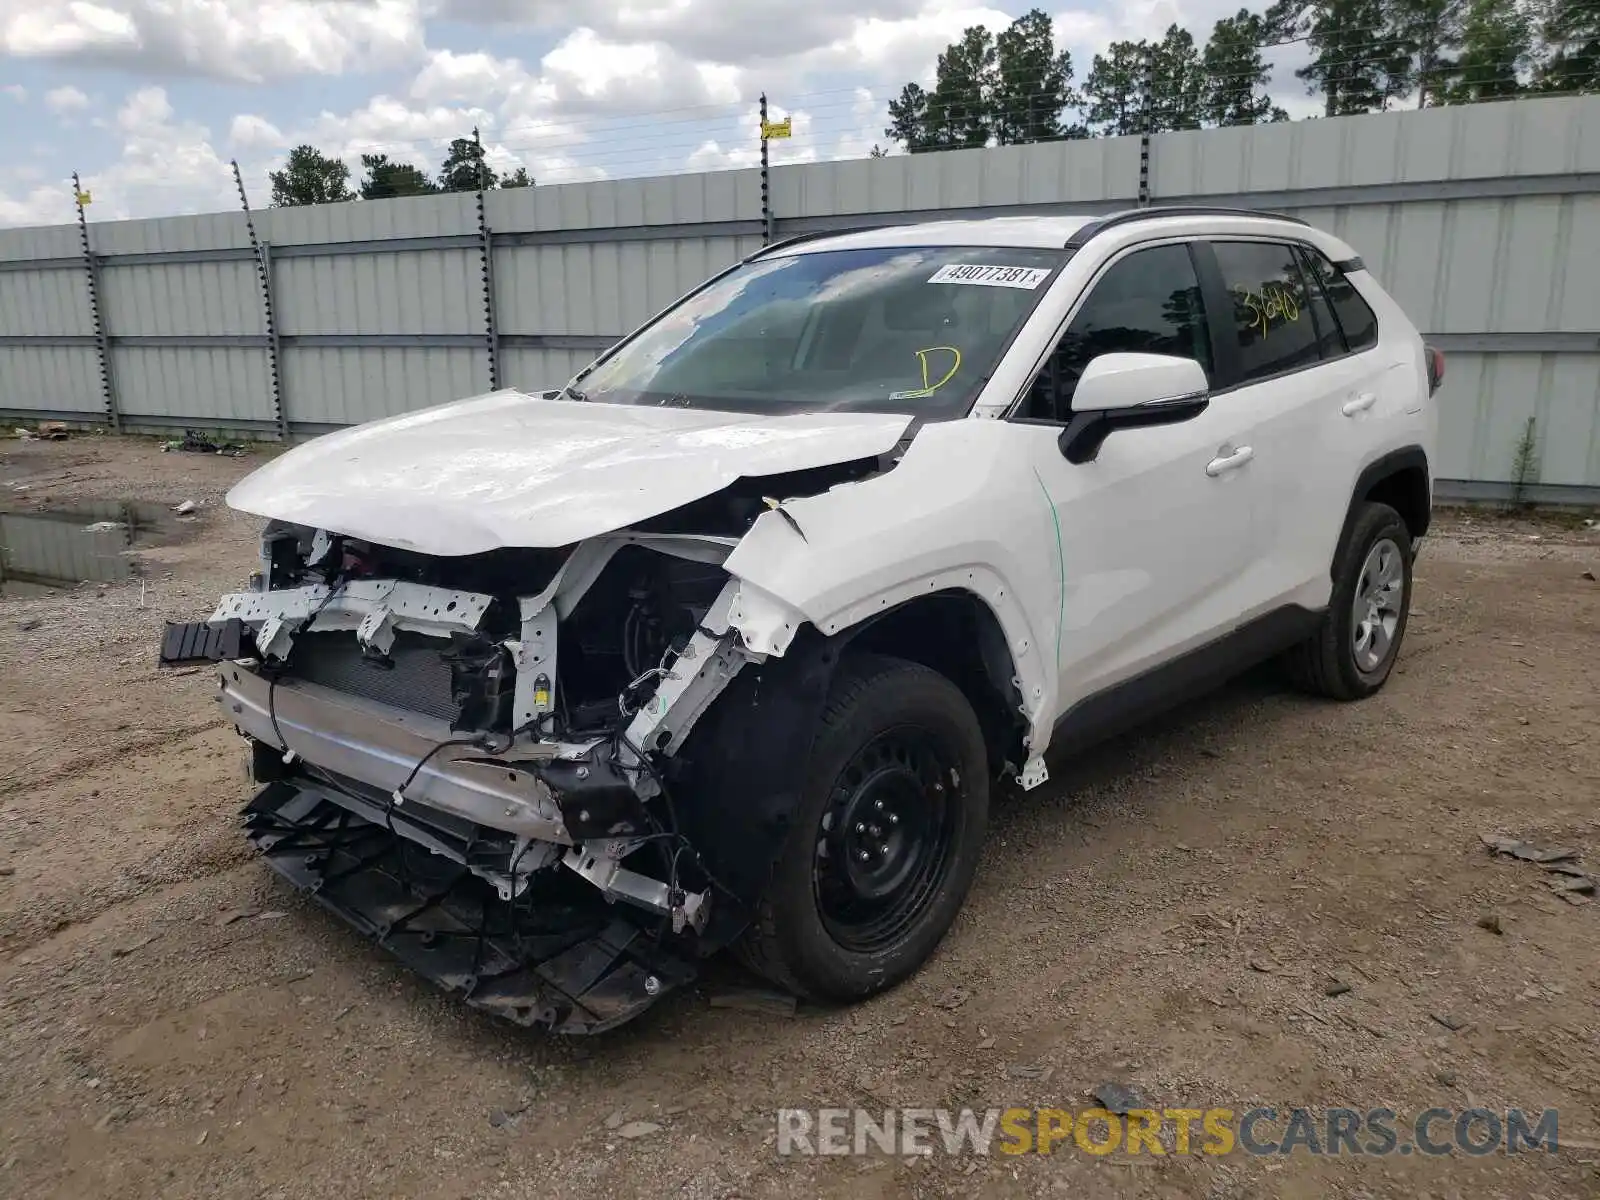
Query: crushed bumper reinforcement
x=554, y=957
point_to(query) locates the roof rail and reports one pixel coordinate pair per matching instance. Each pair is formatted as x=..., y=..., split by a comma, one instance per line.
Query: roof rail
x=1098, y=226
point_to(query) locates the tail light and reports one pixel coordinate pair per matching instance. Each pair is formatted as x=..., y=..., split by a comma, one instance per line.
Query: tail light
x=1435, y=359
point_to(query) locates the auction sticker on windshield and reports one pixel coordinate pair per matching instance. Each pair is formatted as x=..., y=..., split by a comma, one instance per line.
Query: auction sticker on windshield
x=1012, y=277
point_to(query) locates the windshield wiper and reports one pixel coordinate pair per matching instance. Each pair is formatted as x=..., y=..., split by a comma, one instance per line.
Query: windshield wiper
x=572, y=393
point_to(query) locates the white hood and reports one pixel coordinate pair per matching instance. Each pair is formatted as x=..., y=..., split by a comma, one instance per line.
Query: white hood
x=510, y=469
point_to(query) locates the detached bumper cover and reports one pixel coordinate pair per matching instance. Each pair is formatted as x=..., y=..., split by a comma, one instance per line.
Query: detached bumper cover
x=558, y=958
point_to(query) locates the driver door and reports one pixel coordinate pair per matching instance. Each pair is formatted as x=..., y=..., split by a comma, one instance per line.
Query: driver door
x=1156, y=534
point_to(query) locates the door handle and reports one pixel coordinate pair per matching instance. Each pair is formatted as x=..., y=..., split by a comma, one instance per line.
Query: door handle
x=1360, y=404
x=1229, y=462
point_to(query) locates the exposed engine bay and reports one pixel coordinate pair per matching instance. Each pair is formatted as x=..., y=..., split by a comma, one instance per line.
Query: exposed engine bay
x=473, y=759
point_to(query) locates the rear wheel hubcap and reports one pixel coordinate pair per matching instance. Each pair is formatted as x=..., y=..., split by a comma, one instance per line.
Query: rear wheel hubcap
x=1375, y=612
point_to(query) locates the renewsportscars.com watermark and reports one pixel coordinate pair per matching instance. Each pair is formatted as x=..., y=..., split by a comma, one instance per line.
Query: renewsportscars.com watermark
x=1212, y=1131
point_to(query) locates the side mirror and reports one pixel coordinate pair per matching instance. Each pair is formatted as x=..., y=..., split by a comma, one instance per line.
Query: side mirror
x=1131, y=391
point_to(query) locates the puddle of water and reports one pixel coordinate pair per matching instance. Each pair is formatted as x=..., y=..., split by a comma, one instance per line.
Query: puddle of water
x=48, y=550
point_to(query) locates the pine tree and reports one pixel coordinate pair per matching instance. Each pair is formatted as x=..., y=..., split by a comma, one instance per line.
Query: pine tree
x=908, y=120
x=1496, y=52
x=1572, y=35
x=1359, y=62
x=386, y=179
x=310, y=177
x=1114, y=92
x=1429, y=33
x=1236, y=74
x=1175, y=81
x=464, y=168
x=960, y=106
x=1033, y=82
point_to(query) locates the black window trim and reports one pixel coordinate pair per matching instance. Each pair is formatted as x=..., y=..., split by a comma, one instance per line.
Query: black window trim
x=1312, y=283
x=1189, y=241
x=1344, y=268
x=1232, y=382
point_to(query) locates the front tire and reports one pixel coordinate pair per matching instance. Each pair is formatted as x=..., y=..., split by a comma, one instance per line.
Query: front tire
x=1354, y=649
x=886, y=839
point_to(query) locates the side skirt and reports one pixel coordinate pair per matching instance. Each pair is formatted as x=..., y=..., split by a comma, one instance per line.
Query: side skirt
x=1130, y=703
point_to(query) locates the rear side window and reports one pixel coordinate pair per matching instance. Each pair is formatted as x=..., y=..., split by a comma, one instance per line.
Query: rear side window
x=1272, y=317
x=1329, y=338
x=1146, y=303
x=1356, y=318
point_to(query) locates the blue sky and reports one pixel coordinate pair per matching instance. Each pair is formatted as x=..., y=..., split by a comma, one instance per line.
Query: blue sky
x=150, y=99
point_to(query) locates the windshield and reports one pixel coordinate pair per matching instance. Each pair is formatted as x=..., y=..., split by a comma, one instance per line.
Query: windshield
x=886, y=329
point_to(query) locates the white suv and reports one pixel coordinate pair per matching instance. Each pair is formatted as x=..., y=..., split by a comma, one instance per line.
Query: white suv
x=726, y=642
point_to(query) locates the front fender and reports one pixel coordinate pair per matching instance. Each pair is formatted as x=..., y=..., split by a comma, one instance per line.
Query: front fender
x=954, y=515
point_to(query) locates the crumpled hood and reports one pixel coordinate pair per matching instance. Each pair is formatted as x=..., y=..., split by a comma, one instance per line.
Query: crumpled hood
x=510, y=469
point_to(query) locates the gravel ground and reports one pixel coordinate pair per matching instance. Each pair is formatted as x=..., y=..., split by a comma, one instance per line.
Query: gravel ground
x=1170, y=912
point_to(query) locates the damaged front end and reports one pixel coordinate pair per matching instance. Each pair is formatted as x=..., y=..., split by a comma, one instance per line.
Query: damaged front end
x=478, y=761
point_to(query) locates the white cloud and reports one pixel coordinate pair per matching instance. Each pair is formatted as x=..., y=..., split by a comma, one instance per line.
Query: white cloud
x=701, y=30
x=66, y=99
x=251, y=132
x=38, y=205
x=166, y=165
x=448, y=77
x=639, y=87
x=247, y=40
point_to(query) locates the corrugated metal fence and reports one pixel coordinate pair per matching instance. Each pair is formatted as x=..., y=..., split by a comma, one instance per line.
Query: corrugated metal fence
x=1484, y=221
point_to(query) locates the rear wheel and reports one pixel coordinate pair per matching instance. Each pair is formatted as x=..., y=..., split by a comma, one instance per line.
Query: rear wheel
x=886, y=840
x=1354, y=649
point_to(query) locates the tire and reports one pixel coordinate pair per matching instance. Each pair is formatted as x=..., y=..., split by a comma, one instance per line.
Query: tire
x=1342, y=659
x=897, y=735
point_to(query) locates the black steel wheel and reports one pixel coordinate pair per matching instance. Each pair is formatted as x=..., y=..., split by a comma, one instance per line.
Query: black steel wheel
x=887, y=837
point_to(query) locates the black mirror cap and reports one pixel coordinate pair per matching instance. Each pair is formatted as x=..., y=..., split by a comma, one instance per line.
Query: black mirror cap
x=1086, y=432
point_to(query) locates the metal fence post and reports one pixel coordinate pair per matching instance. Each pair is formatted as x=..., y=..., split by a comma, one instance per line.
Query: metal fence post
x=108, y=387
x=766, y=180
x=280, y=416
x=269, y=308
x=1145, y=123
x=486, y=250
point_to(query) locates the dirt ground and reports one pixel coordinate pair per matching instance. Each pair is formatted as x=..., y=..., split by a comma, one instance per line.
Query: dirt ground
x=1167, y=913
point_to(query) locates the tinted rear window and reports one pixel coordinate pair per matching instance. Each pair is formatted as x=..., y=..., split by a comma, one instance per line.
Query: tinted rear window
x=1356, y=318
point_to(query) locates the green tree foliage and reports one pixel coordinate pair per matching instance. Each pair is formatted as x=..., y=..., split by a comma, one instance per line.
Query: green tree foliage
x=1005, y=90
x=1572, y=36
x=908, y=120
x=310, y=177
x=517, y=179
x=1366, y=55
x=1176, y=81
x=385, y=179
x=464, y=168
x=959, y=110
x=1496, y=52
x=1114, y=90
x=1236, y=74
x=1359, y=61
x=1428, y=33
x=1033, y=83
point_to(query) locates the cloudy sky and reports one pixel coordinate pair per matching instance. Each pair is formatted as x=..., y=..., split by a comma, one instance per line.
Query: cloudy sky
x=150, y=99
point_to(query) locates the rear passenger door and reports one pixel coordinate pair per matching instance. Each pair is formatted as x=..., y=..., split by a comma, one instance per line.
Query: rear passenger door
x=1286, y=370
